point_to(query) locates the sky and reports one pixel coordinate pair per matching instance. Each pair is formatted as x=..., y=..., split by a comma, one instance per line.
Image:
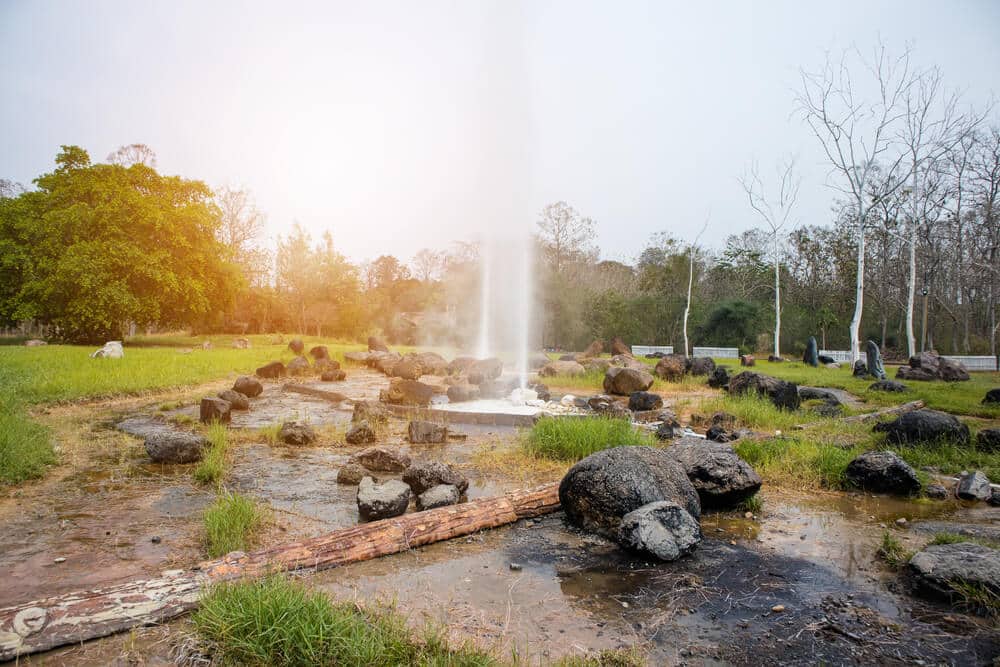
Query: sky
x=403, y=125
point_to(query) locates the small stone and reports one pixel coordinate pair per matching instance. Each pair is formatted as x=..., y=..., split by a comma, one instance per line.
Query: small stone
x=60, y=559
x=516, y=567
x=155, y=539
x=901, y=521
x=748, y=515
x=778, y=608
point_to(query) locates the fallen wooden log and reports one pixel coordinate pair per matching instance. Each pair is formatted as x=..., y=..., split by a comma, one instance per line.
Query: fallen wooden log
x=870, y=416
x=75, y=617
x=332, y=396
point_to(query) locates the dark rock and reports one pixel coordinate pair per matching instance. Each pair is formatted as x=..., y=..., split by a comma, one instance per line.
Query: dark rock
x=655, y=355
x=717, y=433
x=627, y=361
x=432, y=363
x=382, y=459
x=988, y=440
x=644, y=400
x=376, y=344
x=883, y=472
x=700, y=365
x=333, y=376
x=874, y=358
x=671, y=367
x=408, y=368
x=662, y=529
x=888, y=386
x=625, y=381
x=421, y=432
x=175, y=447
x=826, y=359
x=597, y=364
x=460, y=365
x=542, y=390
x=407, y=392
x=382, y=501
x=318, y=352
x=994, y=498
x=296, y=346
x=595, y=349
x=618, y=346
x=562, y=368
x=273, y=370
x=773, y=359
x=483, y=370
x=973, y=486
x=248, y=386
x=939, y=570
x=294, y=433
x=326, y=364
x=860, y=369
x=441, y=495
x=719, y=378
x=384, y=362
x=784, y=395
x=747, y=360
x=214, y=410
x=357, y=357
x=721, y=478
x=236, y=400
x=458, y=393
x=928, y=366
x=298, y=366
x=602, y=488
x=360, y=433
x=925, y=426
x=371, y=411
x=668, y=430
x=992, y=397
x=423, y=475
x=811, y=354
x=351, y=473
x=936, y=492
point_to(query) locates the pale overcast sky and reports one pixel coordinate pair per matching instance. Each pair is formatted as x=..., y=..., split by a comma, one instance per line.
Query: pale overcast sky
x=400, y=125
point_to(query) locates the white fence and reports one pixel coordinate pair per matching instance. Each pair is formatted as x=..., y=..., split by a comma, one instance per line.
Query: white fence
x=976, y=363
x=723, y=352
x=840, y=356
x=642, y=350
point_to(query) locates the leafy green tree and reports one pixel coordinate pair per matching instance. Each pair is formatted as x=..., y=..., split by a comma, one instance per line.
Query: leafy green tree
x=732, y=323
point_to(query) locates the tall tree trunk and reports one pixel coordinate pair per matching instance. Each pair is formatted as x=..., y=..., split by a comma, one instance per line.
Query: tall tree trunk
x=687, y=307
x=911, y=288
x=777, y=299
x=860, y=287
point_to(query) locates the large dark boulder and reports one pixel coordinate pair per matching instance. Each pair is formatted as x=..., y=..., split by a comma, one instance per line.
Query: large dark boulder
x=641, y=401
x=273, y=370
x=618, y=346
x=382, y=459
x=248, y=386
x=441, y=495
x=883, y=472
x=484, y=370
x=719, y=379
x=299, y=366
x=296, y=346
x=214, y=410
x=371, y=411
x=925, y=426
x=432, y=363
x=407, y=392
x=382, y=501
x=747, y=360
x=940, y=571
x=408, y=368
x=607, y=406
x=662, y=529
x=294, y=433
x=595, y=349
x=376, y=344
x=700, y=365
x=671, y=367
x=973, y=485
x=992, y=397
x=627, y=361
x=561, y=368
x=860, y=369
x=351, y=473
x=784, y=395
x=874, y=358
x=426, y=432
x=625, y=381
x=459, y=365
x=826, y=359
x=175, y=446
x=811, y=354
x=602, y=488
x=988, y=440
x=928, y=366
x=424, y=475
x=236, y=400
x=457, y=393
x=721, y=478
x=360, y=433
x=318, y=352
x=888, y=386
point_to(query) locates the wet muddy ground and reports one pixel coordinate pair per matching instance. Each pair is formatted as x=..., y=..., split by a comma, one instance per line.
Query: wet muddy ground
x=538, y=589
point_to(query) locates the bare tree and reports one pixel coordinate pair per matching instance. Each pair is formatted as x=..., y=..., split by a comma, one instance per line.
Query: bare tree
x=858, y=135
x=240, y=228
x=131, y=154
x=9, y=188
x=565, y=235
x=428, y=264
x=692, y=251
x=986, y=189
x=776, y=212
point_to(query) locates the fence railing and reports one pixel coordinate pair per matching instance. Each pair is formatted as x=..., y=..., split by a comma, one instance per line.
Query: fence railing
x=642, y=350
x=840, y=356
x=984, y=363
x=723, y=352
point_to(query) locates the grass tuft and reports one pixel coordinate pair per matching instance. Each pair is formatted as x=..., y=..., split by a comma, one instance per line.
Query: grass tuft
x=955, y=538
x=609, y=658
x=231, y=524
x=213, y=466
x=977, y=598
x=277, y=621
x=25, y=446
x=892, y=551
x=752, y=504
x=573, y=438
x=798, y=460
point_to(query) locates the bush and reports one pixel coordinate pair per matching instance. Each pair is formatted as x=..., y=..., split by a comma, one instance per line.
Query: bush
x=213, y=465
x=573, y=438
x=231, y=523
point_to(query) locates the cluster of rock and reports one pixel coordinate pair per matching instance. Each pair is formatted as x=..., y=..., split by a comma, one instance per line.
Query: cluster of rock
x=219, y=408
x=928, y=366
x=673, y=367
x=942, y=571
x=323, y=365
x=430, y=483
x=649, y=500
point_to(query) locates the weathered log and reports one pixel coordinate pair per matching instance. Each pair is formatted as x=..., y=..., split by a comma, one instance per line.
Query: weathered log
x=332, y=396
x=870, y=416
x=75, y=617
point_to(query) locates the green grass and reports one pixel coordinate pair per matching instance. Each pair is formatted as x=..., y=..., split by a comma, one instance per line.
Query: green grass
x=231, y=524
x=798, y=460
x=949, y=458
x=25, y=446
x=277, y=621
x=755, y=412
x=752, y=504
x=892, y=551
x=573, y=438
x=213, y=466
x=955, y=538
x=609, y=658
x=977, y=598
